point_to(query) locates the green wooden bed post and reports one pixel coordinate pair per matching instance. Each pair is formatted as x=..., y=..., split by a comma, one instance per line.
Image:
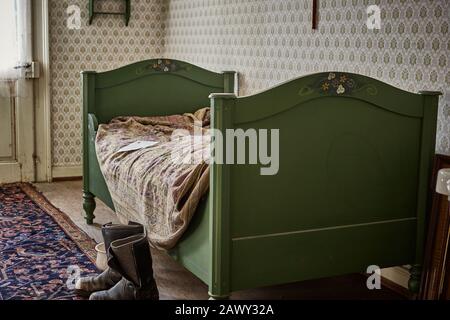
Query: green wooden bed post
x=231, y=82
x=220, y=238
x=428, y=145
x=89, y=205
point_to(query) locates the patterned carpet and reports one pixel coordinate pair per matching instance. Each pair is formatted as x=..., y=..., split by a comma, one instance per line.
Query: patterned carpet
x=41, y=250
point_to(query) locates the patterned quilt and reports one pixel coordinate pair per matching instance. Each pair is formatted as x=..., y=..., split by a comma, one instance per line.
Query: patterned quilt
x=159, y=186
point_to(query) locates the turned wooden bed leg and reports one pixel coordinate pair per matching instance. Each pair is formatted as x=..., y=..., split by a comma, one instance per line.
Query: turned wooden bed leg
x=414, y=279
x=89, y=206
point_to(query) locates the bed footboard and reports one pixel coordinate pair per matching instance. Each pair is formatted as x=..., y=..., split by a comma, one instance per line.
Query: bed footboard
x=350, y=192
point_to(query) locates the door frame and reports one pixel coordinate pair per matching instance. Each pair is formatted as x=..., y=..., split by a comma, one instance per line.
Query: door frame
x=43, y=125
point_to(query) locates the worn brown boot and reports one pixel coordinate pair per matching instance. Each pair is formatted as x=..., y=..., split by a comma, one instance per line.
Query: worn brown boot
x=131, y=257
x=108, y=278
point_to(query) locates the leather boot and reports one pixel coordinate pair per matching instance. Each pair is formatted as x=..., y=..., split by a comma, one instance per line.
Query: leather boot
x=131, y=257
x=108, y=278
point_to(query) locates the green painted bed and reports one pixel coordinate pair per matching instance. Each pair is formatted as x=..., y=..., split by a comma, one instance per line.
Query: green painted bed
x=352, y=186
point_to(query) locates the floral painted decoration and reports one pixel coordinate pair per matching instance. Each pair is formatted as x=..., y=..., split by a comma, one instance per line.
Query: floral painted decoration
x=337, y=83
x=164, y=65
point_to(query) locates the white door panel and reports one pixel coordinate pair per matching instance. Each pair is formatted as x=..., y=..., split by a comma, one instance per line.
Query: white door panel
x=16, y=110
x=6, y=129
x=17, y=135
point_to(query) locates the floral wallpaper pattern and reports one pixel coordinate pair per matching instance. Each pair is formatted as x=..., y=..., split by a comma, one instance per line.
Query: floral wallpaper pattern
x=271, y=41
x=104, y=45
x=267, y=41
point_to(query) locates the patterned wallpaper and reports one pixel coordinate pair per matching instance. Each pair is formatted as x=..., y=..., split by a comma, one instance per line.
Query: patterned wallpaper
x=104, y=45
x=267, y=41
x=270, y=41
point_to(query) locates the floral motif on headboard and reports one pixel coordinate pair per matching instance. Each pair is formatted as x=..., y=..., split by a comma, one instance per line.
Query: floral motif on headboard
x=162, y=65
x=337, y=83
x=165, y=65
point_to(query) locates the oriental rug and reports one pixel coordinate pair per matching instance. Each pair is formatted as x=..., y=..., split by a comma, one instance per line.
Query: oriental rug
x=42, y=251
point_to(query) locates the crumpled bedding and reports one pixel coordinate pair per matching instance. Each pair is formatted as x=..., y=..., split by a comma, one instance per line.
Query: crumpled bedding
x=151, y=185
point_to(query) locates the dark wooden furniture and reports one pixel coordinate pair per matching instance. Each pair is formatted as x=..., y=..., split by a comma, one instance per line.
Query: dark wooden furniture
x=436, y=280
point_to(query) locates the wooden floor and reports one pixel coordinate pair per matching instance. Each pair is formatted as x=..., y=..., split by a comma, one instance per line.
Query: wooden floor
x=175, y=282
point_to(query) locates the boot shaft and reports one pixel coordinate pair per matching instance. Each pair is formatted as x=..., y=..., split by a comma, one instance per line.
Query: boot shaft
x=131, y=257
x=112, y=232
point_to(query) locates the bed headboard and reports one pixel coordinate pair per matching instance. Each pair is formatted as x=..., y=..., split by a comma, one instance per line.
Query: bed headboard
x=152, y=87
x=146, y=88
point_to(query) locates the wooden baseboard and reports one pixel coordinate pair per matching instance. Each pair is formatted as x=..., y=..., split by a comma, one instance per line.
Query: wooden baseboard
x=69, y=172
x=67, y=179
